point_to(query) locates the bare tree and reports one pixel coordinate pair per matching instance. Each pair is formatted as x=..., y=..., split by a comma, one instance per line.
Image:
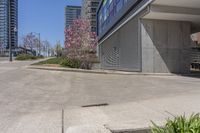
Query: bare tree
x=38, y=46
x=46, y=47
x=30, y=41
x=58, y=49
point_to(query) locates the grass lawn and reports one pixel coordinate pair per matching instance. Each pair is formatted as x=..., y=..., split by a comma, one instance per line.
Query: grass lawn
x=49, y=62
x=60, y=62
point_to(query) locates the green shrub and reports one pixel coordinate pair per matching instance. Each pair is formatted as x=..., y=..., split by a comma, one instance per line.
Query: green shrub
x=179, y=125
x=26, y=57
x=64, y=62
x=67, y=62
x=72, y=63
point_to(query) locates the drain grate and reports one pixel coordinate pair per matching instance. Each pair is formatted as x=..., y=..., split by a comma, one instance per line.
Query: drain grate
x=95, y=105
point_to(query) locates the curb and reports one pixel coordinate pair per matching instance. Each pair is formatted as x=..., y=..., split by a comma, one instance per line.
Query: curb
x=142, y=130
x=129, y=129
x=98, y=71
x=65, y=69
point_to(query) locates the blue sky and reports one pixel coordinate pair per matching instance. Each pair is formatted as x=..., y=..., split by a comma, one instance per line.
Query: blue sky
x=45, y=17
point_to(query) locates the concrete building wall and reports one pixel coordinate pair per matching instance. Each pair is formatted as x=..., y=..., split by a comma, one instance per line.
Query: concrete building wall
x=150, y=46
x=122, y=50
x=150, y=36
x=195, y=28
x=165, y=46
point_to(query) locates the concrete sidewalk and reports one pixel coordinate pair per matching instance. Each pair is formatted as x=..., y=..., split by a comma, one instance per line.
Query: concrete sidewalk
x=32, y=100
x=133, y=116
x=46, y=122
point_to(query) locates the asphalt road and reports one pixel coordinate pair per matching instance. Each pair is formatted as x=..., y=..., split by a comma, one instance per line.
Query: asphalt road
x=30, y=95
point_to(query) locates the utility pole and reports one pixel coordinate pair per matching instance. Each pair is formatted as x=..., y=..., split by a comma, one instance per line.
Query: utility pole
x=9, y=25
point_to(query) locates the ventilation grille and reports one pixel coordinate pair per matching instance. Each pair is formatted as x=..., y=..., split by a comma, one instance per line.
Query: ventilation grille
x=111, y=57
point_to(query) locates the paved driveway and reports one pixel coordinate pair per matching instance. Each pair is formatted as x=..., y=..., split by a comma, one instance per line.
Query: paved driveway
x=36, y=96
x=4, y=59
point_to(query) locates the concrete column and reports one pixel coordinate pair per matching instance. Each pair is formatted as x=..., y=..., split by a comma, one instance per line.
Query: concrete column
x=165, y=46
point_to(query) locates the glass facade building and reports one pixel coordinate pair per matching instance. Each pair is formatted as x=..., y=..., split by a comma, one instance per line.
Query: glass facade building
x=111, y=12
x=4, y=23
x=108, y=10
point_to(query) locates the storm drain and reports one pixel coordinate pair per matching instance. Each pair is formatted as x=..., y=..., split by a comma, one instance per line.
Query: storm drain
x=95, y=105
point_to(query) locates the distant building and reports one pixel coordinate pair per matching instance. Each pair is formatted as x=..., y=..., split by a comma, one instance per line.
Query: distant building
x=89, y=9
x=195, y=54
x=4, y=23
x=71, y=13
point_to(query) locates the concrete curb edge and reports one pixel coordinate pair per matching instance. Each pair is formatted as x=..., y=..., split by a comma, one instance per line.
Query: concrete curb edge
x=98, y=71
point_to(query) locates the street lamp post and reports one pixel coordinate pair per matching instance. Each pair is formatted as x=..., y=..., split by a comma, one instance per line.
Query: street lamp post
x=9, y=25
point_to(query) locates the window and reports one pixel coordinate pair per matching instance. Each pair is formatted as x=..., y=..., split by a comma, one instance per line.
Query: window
x=119, y=5
x=108, y=11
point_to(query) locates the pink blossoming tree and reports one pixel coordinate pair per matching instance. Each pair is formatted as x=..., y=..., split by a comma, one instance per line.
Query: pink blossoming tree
x=80, y=42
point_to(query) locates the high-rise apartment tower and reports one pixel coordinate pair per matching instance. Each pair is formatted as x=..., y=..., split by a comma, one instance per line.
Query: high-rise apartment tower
x=71, y=13
x=8, y=11
x=89, y=9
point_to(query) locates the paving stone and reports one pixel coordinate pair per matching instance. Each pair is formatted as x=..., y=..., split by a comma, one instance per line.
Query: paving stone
x=49, y=122
x=84, y=116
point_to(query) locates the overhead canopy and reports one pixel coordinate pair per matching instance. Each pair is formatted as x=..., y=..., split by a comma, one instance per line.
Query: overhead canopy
x=179, y=3
x=183, y=10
